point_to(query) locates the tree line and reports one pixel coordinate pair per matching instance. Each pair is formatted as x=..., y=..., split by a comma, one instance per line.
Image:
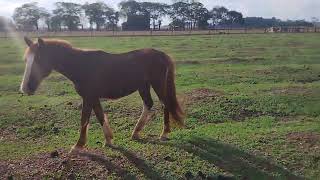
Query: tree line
x=66, y=14
x=184, y=14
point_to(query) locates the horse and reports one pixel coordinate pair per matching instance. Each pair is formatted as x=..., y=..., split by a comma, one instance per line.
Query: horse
x=98, y=75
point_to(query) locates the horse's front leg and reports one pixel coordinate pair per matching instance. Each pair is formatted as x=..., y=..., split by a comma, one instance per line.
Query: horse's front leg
x=103, y=120
x=85, y=116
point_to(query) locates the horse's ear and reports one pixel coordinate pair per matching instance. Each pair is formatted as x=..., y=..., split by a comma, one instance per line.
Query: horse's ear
x=40, y=42
x=28, y=41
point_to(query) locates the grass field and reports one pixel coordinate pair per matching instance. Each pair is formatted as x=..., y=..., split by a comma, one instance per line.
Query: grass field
x=252, y=103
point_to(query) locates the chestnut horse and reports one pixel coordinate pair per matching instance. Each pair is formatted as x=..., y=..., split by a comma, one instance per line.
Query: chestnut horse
x=97, y=74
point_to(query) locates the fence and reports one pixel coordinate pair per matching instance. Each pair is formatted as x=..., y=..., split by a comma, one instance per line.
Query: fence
x=155, y=33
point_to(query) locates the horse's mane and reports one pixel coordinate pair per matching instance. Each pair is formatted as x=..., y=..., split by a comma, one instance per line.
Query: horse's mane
x=65, y=44
x=58, y=43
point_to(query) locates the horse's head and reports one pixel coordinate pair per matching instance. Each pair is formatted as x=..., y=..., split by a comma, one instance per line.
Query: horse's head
x=37, y=66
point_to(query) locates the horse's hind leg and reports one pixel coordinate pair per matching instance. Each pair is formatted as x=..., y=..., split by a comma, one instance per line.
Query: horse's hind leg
x=146, y=112
x=85, y=116
x=159, y=88
x=103, y=120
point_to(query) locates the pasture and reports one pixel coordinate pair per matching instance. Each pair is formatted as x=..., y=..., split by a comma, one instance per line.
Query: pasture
x=252, y=104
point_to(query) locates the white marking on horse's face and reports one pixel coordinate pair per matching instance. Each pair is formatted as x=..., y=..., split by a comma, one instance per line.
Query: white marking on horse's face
x=27, y=72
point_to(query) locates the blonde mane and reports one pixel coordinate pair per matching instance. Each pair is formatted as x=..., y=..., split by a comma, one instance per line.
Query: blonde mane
x=58, y=43
x=66, y=44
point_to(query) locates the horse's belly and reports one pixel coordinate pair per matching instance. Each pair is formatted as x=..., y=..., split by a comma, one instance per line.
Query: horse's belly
x=118, y=93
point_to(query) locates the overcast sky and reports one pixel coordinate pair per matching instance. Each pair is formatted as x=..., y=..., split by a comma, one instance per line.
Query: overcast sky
x=283, y=9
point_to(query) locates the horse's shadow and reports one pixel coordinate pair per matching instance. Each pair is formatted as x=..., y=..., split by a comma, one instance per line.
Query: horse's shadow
x=139, y=163
x=241, y=164
x=104, y=161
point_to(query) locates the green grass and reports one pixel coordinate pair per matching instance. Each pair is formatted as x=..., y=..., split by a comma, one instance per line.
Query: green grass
x=252, y=104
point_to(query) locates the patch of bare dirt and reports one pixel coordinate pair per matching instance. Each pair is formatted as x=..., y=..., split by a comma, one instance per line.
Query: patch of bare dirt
x=233, y=111
x=294, y=90
x=288, y=118
x=255, y=49
x=243, y=113
x=203, y=61
x=309, y=80
x=251, y=51
x=8, y=133
x=188, y=62
x=222, y=60
x=308, y=141
x=202, y=94
x=236, y=60
x=264, y=71
x=296, y=44
x=58, y=164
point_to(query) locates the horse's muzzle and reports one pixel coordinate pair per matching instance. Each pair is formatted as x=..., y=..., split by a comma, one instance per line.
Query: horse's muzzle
x=26, y=91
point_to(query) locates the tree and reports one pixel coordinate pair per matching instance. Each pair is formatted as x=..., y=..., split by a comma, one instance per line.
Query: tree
x=295, y=23
x=190, y=14
x=113, y=19
x=315, y=21
x=47, y=19
x=177, y=23
x=27, y=16
x=97, y=13
x=199, y=15
x=56, y=23
x=219, y=15
x=222, y=16
x=259, y=22
x=155, y=10
x=159, y=24
x=179, y=13
x=68, y=14
x=130, y=7
x=234, y=17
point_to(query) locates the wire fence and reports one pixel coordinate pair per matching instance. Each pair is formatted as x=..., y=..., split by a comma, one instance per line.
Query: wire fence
x=159, y=33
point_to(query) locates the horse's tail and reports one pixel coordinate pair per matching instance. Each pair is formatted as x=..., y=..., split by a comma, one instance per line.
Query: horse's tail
x=172, y=103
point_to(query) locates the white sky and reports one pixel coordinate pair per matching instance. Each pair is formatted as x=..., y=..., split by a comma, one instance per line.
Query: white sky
x=283, y=9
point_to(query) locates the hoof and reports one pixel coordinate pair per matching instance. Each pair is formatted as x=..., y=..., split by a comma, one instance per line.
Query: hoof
x=135, y=137
x=163, y=138
x=76, y=149
x=108, y=143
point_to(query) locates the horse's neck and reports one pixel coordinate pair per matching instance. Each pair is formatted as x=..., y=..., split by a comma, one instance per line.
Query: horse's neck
x=66, y=63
